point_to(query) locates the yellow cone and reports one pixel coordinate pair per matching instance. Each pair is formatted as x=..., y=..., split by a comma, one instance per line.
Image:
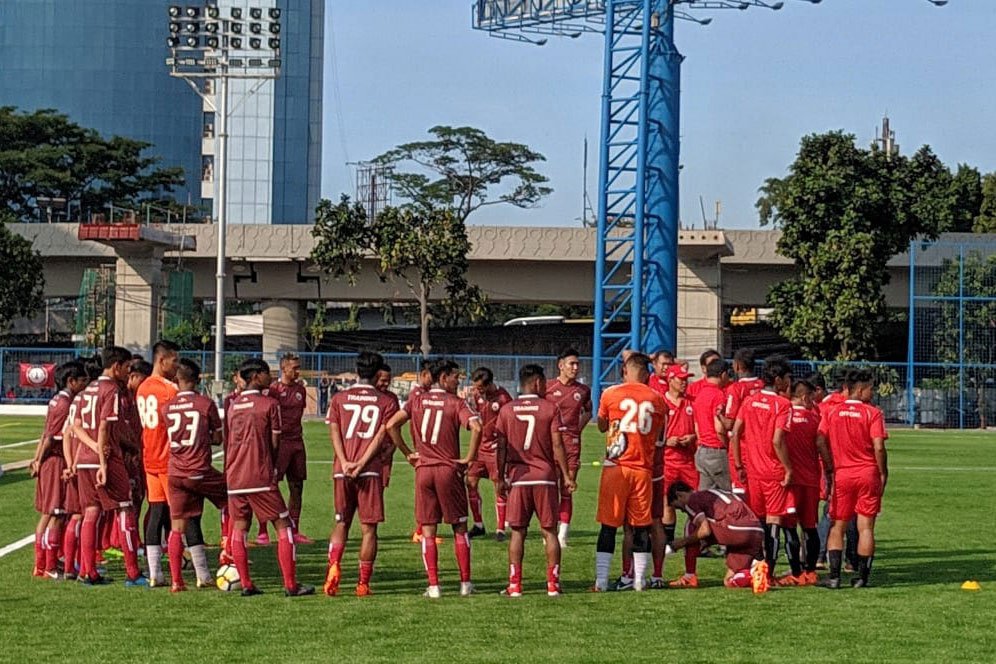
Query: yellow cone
x=971, y=585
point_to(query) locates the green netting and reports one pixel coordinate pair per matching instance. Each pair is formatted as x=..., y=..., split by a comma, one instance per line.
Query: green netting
x=179, y=304
x=95, y=308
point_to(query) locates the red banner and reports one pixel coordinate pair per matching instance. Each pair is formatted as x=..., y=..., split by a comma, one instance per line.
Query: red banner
x=37, y=376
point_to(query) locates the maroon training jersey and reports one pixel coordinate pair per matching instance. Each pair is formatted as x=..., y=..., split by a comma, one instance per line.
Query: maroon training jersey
x=571, y=399
x=528, y=425
x=191, y=421
x=762, y=415
x=359, y=413
x=252, y=419
x=721, y=507
x=101, y=402
x=437, y=417
x=292, y=400
x=225, y=404
x=851, y=427
x=487, y=408
x=55, y=423
x=74, y=443
x=801, y=443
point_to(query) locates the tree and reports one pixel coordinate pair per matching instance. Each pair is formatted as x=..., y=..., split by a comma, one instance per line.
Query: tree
x=426, y=248
x=22, y=278
x=986, y=221
x=844, y=212
x=44, y=154
x=966, y=187
x=462, y=170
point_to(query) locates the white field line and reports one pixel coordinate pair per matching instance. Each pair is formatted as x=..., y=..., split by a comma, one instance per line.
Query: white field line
x=19, y=544
x=23, y=442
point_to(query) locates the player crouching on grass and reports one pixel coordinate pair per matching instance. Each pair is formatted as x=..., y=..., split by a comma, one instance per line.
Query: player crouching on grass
x=253, y=421
x=721, y=517
x=531, y=458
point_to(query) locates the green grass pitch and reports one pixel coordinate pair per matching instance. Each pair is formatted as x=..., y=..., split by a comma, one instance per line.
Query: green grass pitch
x=936, y=531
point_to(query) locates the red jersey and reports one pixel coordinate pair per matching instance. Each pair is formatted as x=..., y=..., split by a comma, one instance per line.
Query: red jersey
x=359, y=413
x=680, y=422
x=55, y=423
x=571, y=399
x=67, y=430
x=252, y=419
x=693, y=389
x=101, y=402
x=225, y=405
x=708, y=403
x=657, y=384
x=437, y=417
x=762, y=415
x=487, y=408
x=721, y=507
x=737, y=393
x=801, y=443
x=640, y=412
x=850, y=428
x=154, y=393
x=292, y=400
x=833, y=399
x=527, y=425
x=192, y=422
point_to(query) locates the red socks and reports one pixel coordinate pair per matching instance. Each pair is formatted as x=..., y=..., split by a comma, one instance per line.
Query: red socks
x=53, y=540
x=70, y=539
x=175, y=548
x=461, y=545
x=287, y=557
x=128, y=534
x=88, y=545
x=500, y=506
x=553, y=576
x=691, y=558
x=39, y=551
x=366, y=571
x=475, y=505
x=335, y=553
x=237, y=541
x=566, y=509
x=514, y=575
x=627, y=566
x=430, y=558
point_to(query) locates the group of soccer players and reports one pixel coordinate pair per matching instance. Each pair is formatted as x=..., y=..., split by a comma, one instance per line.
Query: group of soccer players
x=747, y=458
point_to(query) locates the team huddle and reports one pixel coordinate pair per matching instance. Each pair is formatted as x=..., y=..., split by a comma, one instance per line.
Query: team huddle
x=748, y=460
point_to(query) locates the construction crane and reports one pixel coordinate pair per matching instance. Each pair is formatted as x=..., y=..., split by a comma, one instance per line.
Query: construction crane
x=636, y=269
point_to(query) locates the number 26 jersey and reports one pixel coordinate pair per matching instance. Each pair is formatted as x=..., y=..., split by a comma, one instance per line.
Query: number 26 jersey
x=641, y=414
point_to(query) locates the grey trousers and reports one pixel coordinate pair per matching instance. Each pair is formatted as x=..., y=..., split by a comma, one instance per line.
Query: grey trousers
x=714, y=468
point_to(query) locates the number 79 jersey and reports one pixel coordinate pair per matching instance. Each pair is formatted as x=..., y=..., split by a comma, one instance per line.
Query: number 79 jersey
x=359, y=413
x=190, y=421
x=641, y=414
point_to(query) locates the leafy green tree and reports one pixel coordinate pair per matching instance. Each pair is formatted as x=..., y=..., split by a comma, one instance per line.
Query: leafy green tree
x=22, y=279
x=462, y=169
x=986, y=221
x=966, y=187
x=844, y=212
x=44, y=154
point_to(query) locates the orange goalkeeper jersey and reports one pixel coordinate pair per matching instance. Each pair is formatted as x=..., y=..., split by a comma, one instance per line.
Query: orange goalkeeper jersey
x=153, y=393
x=641, y=413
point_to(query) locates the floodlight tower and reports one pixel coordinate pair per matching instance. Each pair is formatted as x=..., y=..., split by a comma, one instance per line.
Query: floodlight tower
x=636, y=269
x=208, y=46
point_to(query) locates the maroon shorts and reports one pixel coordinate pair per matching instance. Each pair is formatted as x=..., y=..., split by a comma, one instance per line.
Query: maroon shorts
x=50, y=495
x=485, y=466
x=363, y=495
x=116, y=492
x=657, y=495
x=525, y=500
x=187, y=494
x=267, y=505
x=770, y=498
x=71, y=504
x=744, y=543
x=440, y=495
x=292, y=461
x=572, y=448
x=807, y=504
x=856, y=491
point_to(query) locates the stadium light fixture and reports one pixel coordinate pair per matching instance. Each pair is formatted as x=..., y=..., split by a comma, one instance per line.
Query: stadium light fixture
x=175, y=11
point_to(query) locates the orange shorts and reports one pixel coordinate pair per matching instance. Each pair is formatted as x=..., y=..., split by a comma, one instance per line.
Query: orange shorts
x=624, y=496
x=158, y=487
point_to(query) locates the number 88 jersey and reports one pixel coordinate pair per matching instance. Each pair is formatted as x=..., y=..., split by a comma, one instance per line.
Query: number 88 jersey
x=640, y=414
x=154, y=393
x=359, y=413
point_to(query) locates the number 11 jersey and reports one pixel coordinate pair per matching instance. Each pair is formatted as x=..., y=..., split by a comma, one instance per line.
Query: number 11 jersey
x=438, y=416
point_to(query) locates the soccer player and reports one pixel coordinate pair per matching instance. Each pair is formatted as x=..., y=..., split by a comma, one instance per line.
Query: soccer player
x=292, y=460
x=49, y=466
x=721, y=517
x=746, y=384
x=382, y=382
x=761, y=454
x=193, y=427
x=152, y=394
x=488, y=399
x=857, y=460
x=805, y=487
x=103, y=478
x=662, y=359
x=254, y=436
x=573, y=398
x=531, y=456
x=356, y=419
x=705, y=359
x=711, y=425
x=422, y=385
x=632, y=415
x=440, y=492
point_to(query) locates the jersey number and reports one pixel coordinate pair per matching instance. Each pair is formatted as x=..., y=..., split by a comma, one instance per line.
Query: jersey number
x=530, y=421
x=368, y=415
x=176, y=422
x=437, y=417
x=148, y=411
x=88, y=413
x=636, y=416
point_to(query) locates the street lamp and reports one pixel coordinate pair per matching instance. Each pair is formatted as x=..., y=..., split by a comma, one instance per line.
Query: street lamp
x=211, y=48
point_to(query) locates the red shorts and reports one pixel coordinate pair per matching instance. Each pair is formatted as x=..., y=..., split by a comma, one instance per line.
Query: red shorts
x=770, y=498
x=71, y=504
x=525, y=500
x=624, y=496
x=440, y=495
x=658, y=496
x=856, y=491
x=187, y=494
x=292, y=461
x=807, y=504
x=50, y=494
x=572, y=449
x=363, y=495
x=675, y=472
x=485, y=466
x=267, y=505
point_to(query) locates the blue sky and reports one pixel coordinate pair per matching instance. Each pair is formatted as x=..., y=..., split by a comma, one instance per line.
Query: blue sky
x=753, y=83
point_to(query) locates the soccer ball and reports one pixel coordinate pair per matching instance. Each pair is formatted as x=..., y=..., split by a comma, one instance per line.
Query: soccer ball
x=227, y=578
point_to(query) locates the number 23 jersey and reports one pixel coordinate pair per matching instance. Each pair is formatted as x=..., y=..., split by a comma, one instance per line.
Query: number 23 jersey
x=641, y=414
x=191, y=421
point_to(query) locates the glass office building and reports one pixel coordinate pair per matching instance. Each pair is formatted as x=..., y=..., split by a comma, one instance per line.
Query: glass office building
x=102, y=63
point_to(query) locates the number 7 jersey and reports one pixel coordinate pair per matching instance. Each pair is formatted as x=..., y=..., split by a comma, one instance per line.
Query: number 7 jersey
x=641, y=413
x=359, y=413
